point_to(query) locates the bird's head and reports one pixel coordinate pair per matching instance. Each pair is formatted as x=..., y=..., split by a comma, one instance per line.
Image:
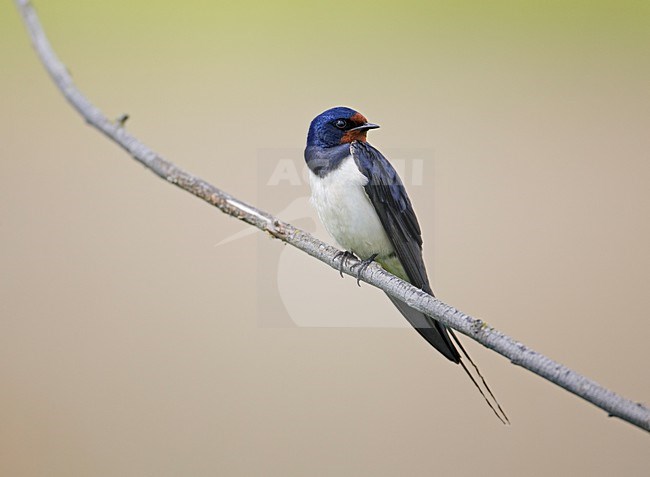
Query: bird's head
x=337, y=126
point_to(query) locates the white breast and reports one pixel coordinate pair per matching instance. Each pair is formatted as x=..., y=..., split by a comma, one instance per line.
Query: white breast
x=346, y=211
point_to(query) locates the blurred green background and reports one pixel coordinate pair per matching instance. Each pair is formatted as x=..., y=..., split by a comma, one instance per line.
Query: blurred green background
x=131, y=345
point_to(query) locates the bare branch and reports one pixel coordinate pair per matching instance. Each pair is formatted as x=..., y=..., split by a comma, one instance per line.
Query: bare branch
x=519, y=354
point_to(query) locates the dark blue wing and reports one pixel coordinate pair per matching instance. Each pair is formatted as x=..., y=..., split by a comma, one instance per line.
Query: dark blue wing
x=388, y=195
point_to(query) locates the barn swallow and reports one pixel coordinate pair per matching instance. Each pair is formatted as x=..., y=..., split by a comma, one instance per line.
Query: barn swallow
x=364, y=206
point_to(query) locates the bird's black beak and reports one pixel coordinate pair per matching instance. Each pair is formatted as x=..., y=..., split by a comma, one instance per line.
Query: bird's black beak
x=365, y=127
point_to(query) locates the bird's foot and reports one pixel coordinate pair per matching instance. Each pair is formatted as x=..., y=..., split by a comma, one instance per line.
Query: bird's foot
x=344, y=256
x=363, y=264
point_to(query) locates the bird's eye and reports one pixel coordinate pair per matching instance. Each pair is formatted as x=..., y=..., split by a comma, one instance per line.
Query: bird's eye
x=341, y=123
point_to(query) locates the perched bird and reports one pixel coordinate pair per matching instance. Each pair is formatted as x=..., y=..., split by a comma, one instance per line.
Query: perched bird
x=364, y=206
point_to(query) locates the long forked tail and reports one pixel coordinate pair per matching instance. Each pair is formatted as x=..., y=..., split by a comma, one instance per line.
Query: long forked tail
x=443, y=338
x=500, y=413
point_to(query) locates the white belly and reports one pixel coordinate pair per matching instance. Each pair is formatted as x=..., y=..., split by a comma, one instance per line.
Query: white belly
x=346, y=211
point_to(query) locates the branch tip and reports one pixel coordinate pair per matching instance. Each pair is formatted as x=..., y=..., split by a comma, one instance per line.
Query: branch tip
x=122, y=119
